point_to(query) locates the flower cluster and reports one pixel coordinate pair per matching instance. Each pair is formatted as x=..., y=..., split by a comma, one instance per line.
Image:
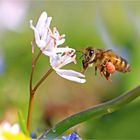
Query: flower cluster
x=48, y=41
x=8, y=132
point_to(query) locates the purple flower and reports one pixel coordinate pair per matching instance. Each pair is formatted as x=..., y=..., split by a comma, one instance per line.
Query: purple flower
x=72, y=136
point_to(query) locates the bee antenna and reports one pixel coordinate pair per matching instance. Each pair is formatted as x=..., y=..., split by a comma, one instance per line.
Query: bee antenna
x=81, y=56
x=79, y=51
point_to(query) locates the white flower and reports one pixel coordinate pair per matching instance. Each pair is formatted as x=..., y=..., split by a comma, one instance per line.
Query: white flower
x=63, y=58
x=11, y=132
x=6, y=127
x=59, y=39
x=46, y=39
x=71, y=75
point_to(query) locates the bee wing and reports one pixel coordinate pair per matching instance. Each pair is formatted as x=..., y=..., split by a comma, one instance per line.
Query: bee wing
x=109, y=52
x=112, y=55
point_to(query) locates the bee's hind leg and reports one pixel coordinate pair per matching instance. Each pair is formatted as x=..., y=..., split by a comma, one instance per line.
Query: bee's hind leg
x=107, y=75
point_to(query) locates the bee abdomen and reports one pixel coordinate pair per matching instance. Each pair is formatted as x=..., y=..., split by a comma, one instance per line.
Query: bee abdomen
x=122, y=65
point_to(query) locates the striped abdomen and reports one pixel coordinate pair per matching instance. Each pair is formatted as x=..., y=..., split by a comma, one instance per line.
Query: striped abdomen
x=120, y=64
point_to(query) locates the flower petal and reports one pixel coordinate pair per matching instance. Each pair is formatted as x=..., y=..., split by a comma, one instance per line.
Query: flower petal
x=40, y=43
x=46, y=39
x=62, y=57
x=72, y=78
x=15, y=129
x=58, y=61
x=57, y=37
x=46, y=29
x=48, y=22
x=66, y=49
x=41, y=22
x=72, y=136
x=67, y=59
x=54, y=60
x=59, y=42
x=6, y=126
x=48, y=53
x=71, y=75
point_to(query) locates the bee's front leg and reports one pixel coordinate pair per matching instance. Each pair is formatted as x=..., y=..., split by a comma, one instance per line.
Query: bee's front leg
x=85, y=66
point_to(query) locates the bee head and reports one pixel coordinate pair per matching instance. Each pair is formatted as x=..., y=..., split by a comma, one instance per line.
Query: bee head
x=87, y=53
x=90, y=51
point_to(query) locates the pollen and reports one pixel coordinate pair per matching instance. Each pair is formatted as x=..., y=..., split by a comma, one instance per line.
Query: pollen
x=110, y=67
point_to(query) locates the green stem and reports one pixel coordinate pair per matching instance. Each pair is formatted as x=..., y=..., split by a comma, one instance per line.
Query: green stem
x=42, y=79
x=93, y=112
x=30, y=110
x=32, y=92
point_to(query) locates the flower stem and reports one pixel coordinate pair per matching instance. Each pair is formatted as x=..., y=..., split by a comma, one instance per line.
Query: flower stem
x=32, y=94
x=30, y=110
x=34, y=61
x=33, y=90
x=42, y=79
x=31, y=98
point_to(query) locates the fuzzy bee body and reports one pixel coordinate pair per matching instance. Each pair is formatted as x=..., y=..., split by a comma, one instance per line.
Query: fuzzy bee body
x=106, y=61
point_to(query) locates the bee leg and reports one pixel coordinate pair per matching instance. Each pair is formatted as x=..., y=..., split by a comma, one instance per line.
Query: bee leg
x=95, y=70
x=85, y=66
x=107, y=75
x=102, y=70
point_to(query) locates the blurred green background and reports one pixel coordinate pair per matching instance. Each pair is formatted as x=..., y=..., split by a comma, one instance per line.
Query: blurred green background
x=109, y=25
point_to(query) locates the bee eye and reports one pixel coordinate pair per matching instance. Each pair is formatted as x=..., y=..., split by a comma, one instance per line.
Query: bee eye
x=91, y=53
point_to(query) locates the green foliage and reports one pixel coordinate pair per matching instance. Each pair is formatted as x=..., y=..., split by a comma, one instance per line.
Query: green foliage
x=22, y=123
x=110, y=125
x=78, y=20
x=93, y=112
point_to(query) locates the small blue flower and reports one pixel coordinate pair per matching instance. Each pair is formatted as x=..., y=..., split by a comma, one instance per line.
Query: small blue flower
x=33, y=135
x=72, y=136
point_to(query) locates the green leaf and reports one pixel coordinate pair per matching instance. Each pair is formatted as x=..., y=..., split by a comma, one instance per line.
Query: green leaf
x=95, y=111
x=22, y=123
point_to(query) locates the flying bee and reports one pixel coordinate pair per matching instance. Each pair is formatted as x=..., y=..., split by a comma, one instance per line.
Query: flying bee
x=106, y=61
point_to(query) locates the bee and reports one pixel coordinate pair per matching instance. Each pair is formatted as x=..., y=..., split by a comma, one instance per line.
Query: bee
x=106, y=61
